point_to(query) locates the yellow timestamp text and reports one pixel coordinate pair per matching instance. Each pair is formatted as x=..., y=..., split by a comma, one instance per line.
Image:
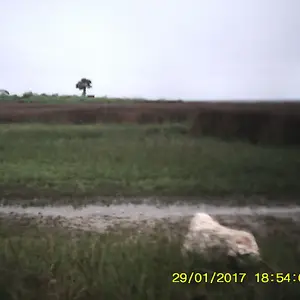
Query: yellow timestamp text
x=277, y=277
x=213, y=277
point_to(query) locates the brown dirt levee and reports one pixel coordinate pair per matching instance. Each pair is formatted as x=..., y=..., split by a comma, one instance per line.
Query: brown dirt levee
x=267, y=125
x=266, y=122
x=80, y=113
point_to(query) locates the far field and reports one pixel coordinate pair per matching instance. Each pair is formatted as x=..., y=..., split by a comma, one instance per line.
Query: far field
x=40, y=160
x=77, y=110
x=123, y=147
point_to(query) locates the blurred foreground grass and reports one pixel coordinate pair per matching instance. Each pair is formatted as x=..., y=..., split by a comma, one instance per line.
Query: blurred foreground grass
x=50, y=263
x=133, y=160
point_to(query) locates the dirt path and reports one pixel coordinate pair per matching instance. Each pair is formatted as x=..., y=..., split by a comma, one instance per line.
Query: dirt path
x=100, y=217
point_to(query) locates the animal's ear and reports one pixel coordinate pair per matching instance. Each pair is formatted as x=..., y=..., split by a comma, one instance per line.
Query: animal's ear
x=244, y=240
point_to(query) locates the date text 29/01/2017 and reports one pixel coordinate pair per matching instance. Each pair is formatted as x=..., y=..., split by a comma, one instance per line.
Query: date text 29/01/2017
x=226, y=277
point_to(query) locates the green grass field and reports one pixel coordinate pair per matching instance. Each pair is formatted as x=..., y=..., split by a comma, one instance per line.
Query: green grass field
x=130, y=160
x=39, y=263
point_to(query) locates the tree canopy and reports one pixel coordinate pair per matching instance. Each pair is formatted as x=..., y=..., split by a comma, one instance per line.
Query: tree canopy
x=84, y=84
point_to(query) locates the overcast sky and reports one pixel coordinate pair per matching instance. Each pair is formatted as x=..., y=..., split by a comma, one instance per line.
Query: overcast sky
x=188, y=49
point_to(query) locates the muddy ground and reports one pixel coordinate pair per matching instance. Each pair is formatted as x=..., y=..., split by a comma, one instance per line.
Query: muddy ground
x=139, y=112
x=98, y=218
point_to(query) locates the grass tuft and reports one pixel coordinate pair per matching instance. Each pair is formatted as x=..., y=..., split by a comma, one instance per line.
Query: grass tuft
x=44, y=263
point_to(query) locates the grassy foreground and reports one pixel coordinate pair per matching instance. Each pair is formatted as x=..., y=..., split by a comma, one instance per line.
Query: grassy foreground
x=130, y=160
x=44, y=263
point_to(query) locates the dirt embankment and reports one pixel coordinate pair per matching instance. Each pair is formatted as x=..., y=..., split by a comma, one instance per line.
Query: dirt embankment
x=273, y=127
x=81, y=113
x=260, y=122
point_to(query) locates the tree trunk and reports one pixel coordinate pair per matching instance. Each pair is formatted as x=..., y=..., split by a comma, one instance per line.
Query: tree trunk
x=84, y=92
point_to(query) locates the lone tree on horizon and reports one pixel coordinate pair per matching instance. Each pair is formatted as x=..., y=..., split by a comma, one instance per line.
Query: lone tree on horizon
x=84, y=84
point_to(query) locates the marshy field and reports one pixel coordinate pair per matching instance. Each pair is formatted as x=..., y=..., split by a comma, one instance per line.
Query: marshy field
x=142, y=168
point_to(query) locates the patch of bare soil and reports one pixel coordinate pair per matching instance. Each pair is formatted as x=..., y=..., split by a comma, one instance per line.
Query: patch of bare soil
x=138, y=112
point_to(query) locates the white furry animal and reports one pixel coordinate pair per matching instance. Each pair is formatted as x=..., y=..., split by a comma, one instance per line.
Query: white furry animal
x=206, y=235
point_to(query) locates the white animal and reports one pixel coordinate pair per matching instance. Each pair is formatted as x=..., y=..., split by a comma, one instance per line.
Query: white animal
x=206, y=236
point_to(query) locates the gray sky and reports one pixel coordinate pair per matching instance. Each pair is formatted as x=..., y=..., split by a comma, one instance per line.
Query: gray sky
x=188, y=49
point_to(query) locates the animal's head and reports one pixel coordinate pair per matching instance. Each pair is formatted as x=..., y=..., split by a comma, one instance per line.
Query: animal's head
x=201, y=220
x=247, y=246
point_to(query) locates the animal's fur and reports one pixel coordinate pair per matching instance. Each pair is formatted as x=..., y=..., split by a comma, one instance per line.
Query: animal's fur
x=206, y=235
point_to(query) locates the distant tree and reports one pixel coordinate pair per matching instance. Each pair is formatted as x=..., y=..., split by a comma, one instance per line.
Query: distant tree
x=27, y=95
x=84, y=84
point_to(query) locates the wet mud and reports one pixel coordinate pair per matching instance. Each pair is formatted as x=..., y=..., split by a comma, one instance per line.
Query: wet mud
x=98, y=218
